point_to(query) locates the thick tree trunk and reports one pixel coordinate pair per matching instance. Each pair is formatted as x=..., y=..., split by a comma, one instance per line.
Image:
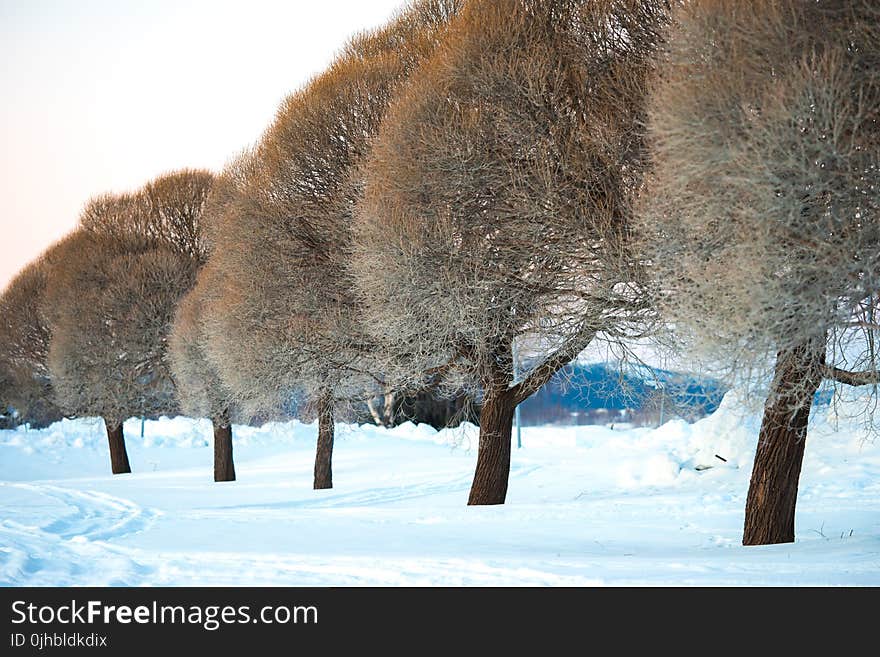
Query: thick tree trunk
x=118, y=454
x=324, y=452
x=493, y=460
x=224, y=466
x=770, y=506
x=502, y=395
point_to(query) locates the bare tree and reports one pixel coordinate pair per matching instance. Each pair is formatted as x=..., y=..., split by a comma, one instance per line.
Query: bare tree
x=110, y=301
x=166, y=212
x=762, y=217
x=497, y=204
x=199, y=388
x=25, y=385
x=289, y=328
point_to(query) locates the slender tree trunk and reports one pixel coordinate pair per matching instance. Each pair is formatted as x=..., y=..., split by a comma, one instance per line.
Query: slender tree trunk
x=324, y=452
x=224, y=466
x=371, y=405
x=770, y=506
x=493, y=460
x=388, y=410
x=118, y=454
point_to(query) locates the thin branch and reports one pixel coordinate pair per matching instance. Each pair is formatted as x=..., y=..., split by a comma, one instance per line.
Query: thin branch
x=864, y=325
x=463, y=351
x=540, y=375
x=863, y=378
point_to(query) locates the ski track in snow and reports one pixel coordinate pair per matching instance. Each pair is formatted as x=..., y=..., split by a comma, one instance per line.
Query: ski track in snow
x=370, y=497
x=586, y=507
x=71, y=545
x=94, y=516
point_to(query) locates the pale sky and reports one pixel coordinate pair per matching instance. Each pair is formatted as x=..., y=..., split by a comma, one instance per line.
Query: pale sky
x=102, y=95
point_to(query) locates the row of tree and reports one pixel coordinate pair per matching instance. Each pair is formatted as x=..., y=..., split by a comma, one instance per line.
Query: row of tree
x=481, y=177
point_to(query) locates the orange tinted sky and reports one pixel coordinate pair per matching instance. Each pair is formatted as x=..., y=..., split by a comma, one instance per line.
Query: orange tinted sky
x=102, y=95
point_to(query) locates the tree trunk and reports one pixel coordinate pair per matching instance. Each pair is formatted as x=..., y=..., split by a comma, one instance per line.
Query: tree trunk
x=224, y=466
x=118, y=454
x=493, y=460
x=388, y=410
x=772, y=497
x=371, y=405
x=324, y=452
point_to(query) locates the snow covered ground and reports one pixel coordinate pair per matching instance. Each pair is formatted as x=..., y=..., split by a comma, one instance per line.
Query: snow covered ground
x=586, y=506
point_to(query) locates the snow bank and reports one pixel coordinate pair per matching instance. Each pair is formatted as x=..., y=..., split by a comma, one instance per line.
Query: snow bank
x=586, y=505
x=639, y=457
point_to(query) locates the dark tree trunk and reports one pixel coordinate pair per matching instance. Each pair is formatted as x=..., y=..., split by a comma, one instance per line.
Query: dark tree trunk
x=118, y=454
x=324, y=452
x=770, y=506
x=224, y=466
x=493, y=460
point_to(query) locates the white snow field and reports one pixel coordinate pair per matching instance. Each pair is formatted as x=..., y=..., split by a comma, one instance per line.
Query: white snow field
x=587, y=506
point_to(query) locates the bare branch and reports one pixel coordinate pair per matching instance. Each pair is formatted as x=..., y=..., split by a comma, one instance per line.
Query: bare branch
x=288, y=325
x=542, y=374
x=863, y=378
x=760, y=218
x=111, y=298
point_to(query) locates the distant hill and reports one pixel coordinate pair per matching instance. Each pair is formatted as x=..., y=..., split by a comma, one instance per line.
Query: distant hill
x=600, y=393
